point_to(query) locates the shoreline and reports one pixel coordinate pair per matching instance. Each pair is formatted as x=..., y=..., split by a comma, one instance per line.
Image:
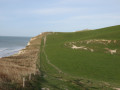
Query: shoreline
x=11, y=46
x=19, y=51
x=11, y=53
x=21, y=64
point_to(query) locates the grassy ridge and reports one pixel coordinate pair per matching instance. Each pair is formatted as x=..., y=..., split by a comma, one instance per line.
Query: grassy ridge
x=64, y=68
x=80, y=63
x=55, y=80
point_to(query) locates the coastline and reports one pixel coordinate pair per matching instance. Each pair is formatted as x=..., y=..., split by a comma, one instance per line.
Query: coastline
x=21, y=64
x=12, y=45
x=19, y=51
x=11, y=53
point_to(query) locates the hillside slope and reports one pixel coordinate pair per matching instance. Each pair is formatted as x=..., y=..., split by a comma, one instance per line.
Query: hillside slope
x=85, y=60
x=90, y=55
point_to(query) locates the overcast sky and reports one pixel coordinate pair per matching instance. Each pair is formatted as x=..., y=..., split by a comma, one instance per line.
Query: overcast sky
x=31, y=17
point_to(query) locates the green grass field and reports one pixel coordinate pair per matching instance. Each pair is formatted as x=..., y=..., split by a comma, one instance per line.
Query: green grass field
x=97, y=66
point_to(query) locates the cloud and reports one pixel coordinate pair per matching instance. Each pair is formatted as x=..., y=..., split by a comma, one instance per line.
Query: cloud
x=57, y=10
x=92, y=3
x=76, y=1
x=53, y=11
x=69, y=1
x=88, y=18
x=102, y=16
x=9, y=0
x=50, y=11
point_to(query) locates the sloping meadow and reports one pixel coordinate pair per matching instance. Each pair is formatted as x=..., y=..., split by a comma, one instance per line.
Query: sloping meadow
x=93, y=54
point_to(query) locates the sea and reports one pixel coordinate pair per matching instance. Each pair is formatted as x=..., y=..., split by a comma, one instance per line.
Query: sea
x=10, y=45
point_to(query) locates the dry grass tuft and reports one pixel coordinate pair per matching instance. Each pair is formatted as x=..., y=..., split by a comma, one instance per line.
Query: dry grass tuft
x=14, y=68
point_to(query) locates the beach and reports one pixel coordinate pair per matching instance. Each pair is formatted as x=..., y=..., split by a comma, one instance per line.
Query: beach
x=12, y=45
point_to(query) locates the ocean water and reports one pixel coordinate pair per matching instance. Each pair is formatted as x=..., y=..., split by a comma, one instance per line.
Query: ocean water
x=10, y=45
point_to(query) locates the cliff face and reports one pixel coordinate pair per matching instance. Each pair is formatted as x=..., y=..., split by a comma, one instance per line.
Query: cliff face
x=14, y=68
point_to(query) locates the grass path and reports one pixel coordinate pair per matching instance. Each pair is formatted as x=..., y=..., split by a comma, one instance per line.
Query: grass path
x=48, y=61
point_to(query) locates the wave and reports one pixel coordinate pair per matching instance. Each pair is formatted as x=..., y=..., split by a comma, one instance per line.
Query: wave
x=4, y=52
x=3, y=49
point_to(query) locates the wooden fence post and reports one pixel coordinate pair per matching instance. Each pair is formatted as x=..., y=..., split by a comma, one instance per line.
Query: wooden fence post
x=29, y=76
x=23, y=82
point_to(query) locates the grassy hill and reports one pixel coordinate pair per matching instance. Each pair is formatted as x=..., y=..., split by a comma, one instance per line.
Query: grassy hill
x=81, y=60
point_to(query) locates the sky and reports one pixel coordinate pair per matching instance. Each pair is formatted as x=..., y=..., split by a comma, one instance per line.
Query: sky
x=31, y=17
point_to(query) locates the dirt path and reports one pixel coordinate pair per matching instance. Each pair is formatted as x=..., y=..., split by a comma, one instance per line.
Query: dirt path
x=48, y=61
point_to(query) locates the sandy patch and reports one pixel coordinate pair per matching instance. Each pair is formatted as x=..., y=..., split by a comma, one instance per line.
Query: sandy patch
x=82, y=47
x=116, y=88
x=111, y=51
x=75, y=47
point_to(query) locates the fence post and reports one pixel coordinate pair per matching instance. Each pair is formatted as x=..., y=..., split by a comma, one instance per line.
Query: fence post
x=29, y=76
x=23, y=82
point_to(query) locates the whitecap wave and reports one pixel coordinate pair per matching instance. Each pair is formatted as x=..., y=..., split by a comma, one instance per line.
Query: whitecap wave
x=9, y=51
x=3, y=49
